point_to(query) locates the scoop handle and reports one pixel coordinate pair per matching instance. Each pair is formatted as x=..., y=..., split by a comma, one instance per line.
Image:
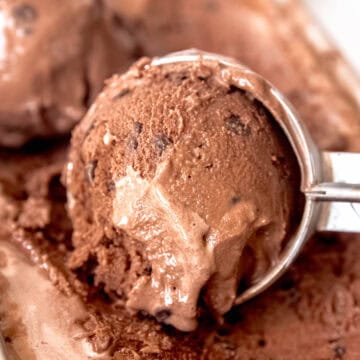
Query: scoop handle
x=339, y=192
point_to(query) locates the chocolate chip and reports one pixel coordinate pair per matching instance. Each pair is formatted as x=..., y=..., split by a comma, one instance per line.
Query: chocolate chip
x=224, y=331
x=138, y=127
x=287, y=283
x=262, y=343
x=121, y=94
x=24, y=13
x=110, y=186
x=233, y=89
x=234, y=316
x=177, y=77
x=162, y=142
x=117, y=21
x=142, y=314
x=235, y=200
x=133, y=143
x=339, y=351
x=90, y=171
x=203, y=78
x=148, y=270
x=162, y=315
x=234, y=124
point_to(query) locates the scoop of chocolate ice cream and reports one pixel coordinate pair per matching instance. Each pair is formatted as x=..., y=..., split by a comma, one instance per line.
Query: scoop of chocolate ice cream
x=50, y=66
x=179, y=185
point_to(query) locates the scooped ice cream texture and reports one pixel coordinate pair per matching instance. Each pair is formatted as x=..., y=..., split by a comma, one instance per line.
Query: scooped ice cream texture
x=179, y=186
x=54, y=56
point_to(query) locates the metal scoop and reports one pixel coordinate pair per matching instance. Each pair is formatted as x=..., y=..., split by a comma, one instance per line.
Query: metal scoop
x=330, y=181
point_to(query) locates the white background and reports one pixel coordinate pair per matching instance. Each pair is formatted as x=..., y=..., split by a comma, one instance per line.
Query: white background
x=341, y=20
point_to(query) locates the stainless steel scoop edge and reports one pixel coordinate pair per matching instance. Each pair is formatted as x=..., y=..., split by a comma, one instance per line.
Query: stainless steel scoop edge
x=330, y=181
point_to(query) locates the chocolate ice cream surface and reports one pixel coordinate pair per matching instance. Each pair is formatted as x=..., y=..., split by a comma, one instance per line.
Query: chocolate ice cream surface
x=179, y=186
x=51, y=65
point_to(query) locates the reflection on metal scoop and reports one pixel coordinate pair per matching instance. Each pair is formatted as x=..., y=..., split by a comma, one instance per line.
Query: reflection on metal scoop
x=330, y=181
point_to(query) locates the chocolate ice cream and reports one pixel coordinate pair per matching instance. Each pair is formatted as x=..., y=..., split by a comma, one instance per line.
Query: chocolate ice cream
x=52, y=63
x=172, y=173
x=312, y=312
x=274, y=38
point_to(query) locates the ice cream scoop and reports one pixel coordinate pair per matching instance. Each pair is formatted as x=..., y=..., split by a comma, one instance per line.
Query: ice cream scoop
x=181, y=199
x=330, y=181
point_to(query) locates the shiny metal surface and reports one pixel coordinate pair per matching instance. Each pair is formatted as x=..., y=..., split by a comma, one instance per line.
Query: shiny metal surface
x=330, y=182
x=339, y=192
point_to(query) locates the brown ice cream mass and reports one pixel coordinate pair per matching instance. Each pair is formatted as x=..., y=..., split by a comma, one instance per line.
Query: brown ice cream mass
x=52, y=63
x=58, y=299
x=172, y=173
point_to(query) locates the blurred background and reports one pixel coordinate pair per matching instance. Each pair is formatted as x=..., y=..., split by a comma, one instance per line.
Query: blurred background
x=341, y=19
